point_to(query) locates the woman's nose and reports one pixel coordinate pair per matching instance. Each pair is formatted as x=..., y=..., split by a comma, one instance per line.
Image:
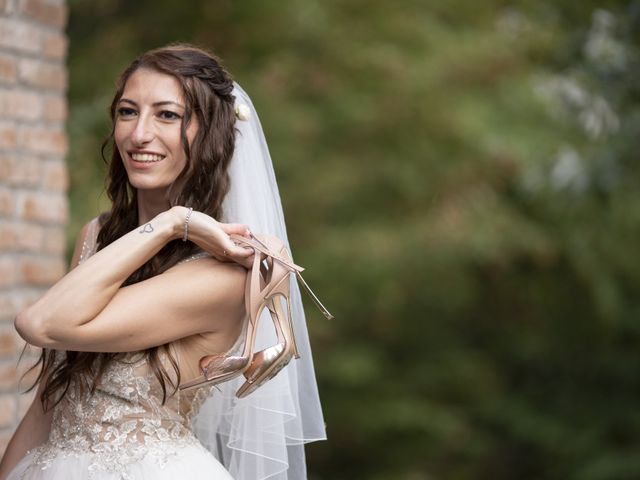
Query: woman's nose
x=143, y=131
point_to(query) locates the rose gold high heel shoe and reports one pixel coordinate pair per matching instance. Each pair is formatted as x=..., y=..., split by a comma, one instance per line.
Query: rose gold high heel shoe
x=267, y=363
x=218, y=368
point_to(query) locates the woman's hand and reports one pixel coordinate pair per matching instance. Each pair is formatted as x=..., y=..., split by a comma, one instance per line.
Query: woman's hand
x=213, y=236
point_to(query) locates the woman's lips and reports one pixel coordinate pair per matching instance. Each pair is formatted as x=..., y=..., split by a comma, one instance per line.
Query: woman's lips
x=146, y=157
x=145, y=160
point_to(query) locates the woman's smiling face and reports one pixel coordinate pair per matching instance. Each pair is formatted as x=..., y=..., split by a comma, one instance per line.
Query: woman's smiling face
x=148, y=122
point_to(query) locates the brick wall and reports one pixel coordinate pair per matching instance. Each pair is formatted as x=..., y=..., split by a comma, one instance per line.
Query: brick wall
x=33, y=176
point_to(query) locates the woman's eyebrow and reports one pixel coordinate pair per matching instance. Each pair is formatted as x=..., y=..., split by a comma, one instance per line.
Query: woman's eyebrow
x=167, y=102
x=155, y=104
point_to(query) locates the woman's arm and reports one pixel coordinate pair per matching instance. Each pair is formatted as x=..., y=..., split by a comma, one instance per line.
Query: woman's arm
x=88, y=310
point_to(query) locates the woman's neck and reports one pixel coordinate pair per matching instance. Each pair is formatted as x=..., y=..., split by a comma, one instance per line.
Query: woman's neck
x=150, y=204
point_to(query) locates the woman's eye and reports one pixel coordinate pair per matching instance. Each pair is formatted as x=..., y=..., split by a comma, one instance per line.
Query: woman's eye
x=126, y=112
x=169, y=115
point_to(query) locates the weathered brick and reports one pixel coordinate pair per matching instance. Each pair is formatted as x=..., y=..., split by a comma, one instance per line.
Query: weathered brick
x=33, y=179
x=8, y=306
x=8, y=69
x=41, y=206
x=21, y=105
x=13, y=302
x=8, y=341
x=19, y=35
x=55, y=45
x=55, y=109
x=42, y=140
x=8, y=237
x=8, y=271
x=48, y=13
x=20, y=171
x=8, y=137
x=55, y=176
x=5, y=166
x=8, y=376
x=29, y=236
x=8, y=410
x=42, y=270
x=7, y=202
x=25, y=298
x=42, y=75
x=8, y=6
x=55, y=241
x=18, y=236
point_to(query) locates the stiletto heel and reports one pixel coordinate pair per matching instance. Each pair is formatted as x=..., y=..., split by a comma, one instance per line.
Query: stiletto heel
x=315, y=299
x=296, y=354
x=267, y=363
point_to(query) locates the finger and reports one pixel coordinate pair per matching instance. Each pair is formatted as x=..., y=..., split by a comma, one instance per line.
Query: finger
x=245, y=260
x=237, y=251
x=247, y=264
x=235, y=228
x=234, y=251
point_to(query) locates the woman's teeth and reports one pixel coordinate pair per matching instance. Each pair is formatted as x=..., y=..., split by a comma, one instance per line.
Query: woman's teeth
x=146, y=157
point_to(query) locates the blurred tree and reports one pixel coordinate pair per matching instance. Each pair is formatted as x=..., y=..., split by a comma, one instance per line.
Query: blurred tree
x=460, y=177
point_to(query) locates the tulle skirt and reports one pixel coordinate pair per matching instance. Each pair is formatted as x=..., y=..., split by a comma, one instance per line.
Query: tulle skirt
x=189, y=462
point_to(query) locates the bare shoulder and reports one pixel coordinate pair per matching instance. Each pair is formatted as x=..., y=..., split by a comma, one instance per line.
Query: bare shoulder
x=91, y=227
x=87, y=234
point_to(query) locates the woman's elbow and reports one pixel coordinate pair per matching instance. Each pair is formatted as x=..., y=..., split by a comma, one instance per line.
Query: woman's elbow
x=31, y=327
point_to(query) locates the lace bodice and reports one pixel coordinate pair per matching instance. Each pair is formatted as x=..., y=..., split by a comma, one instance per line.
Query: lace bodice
x=124, y=419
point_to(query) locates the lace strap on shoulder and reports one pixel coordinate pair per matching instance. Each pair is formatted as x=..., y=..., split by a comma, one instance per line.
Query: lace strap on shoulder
x=195, y=256
x=90, y=240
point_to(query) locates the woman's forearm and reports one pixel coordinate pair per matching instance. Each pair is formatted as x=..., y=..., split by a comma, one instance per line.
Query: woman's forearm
x=82, y=294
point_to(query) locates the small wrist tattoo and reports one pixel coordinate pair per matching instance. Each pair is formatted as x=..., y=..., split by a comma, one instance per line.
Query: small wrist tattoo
x=148, y=228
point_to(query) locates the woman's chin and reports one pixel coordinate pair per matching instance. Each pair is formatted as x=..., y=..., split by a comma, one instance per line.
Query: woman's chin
x=145, y=185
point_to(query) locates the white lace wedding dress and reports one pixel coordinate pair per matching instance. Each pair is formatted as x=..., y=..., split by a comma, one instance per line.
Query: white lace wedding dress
x=122, y=430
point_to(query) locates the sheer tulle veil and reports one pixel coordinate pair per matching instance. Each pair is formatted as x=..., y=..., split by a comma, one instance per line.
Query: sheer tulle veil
x=263, y=435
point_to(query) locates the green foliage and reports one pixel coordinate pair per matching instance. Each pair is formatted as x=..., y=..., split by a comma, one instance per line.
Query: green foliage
x=460, y=179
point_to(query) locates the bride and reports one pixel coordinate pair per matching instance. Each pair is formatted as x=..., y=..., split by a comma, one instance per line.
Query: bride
x=155, y=343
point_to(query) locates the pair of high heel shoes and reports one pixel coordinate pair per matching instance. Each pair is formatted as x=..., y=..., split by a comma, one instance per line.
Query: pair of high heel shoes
x=267, y=283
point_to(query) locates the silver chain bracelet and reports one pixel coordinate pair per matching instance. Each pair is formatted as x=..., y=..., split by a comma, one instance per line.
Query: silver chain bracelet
x=185, y=233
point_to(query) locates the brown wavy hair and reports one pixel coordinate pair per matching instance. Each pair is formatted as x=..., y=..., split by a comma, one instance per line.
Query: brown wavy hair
x=202, y=184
